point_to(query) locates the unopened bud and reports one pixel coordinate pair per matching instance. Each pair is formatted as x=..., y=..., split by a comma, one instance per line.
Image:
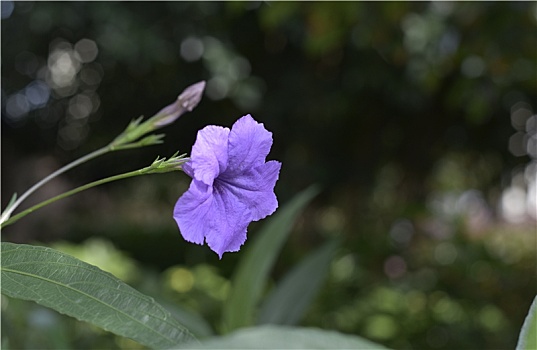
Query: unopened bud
x=190, y=98
x=186, y=102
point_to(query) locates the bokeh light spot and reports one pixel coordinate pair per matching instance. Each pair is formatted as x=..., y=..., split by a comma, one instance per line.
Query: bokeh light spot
x=37, y=93
x=80, y=106
x=87, y=50
x=513, y=204
x=445, y=253
x=17, y=106
x=91, y=74
x=395, y=266
x=181, y=280
x=332, y=219
x=217, y=88
x=416, y=301
x=343, y=268
x=517, y=144
x=447, y=310
x=402, y=231
x=491, y=318
x=192, y=49
x=63, y=67
x=381, y=327
x=520, y=113
x=7, y=8
x=473, y=66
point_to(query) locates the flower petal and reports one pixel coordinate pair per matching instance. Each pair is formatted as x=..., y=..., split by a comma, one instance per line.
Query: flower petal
x=249, y=144
x=209, y=154
x=254, y=188
x=191, y=211
x=187, y=169
x=229, y=218
x=214, y=215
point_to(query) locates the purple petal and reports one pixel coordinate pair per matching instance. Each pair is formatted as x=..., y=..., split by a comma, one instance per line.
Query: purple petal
x=230, y=218
x=187, y=169
x=191, y=211
x=209, y=154
x=212, y=214
x=249, y=144
x=254, y=188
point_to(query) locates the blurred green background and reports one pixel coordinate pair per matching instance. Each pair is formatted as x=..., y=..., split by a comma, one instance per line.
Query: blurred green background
x=417, y=119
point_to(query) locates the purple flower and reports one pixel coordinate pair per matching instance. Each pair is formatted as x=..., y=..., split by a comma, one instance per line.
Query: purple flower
x=232, y=185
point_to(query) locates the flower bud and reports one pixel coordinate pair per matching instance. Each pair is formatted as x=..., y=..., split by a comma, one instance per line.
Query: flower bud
x=186, y=102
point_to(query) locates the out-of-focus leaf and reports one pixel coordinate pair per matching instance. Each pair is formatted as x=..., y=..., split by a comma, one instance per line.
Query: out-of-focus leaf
x=251, y=274
x=291, y=298
x=527, y=340
x=281, y=337
x=75, y=288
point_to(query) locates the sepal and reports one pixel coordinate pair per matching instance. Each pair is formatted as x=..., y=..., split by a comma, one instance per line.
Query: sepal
x=163, y=165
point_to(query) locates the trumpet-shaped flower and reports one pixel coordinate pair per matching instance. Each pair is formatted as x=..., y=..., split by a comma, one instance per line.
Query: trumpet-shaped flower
x=232, y=185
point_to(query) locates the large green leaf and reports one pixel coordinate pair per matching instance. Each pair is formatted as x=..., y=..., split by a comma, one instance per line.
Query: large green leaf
x=527, y=340
x=281, y=337
x=291, y=298
x=75, y=288
x=251, y=274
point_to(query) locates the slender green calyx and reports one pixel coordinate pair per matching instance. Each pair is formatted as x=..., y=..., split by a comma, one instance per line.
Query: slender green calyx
x=159, y=165
x=163, y=165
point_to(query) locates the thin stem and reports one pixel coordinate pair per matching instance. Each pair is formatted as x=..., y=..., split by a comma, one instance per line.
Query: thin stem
x=74, y=191
x=7, y=213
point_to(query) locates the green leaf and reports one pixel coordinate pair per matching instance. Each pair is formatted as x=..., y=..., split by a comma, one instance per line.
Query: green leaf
x=251, y=274
x=75, y=288
x=527, y=340
x=281, y=337
x=291, y=298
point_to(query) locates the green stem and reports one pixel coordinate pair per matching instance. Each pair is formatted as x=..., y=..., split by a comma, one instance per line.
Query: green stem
x=74, y=191
x=7, y=213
